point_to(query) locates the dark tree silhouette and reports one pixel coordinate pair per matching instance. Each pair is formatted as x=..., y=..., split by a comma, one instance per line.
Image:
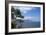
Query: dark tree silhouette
x=13, y=22
x=17, y=13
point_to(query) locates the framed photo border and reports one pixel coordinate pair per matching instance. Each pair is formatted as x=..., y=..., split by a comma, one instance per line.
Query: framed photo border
x=25, y=2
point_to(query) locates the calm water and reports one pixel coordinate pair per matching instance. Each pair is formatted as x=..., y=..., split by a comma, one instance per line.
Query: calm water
x=29, y=24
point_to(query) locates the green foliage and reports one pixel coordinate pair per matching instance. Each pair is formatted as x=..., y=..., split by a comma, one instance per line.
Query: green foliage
x=17, y=13
x=13, y=25
x=12, y=9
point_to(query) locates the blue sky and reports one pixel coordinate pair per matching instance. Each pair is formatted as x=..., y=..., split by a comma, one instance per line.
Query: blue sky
x=29, y=13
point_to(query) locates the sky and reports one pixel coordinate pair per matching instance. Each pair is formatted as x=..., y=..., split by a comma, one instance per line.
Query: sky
x=29, y=13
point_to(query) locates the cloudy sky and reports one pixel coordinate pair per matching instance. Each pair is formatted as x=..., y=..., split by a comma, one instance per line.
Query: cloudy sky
x=29, y=13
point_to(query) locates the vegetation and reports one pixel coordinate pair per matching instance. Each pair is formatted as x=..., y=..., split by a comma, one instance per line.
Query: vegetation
x=17, y=13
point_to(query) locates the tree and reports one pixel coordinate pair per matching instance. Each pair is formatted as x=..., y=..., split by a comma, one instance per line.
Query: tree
x=13, y=22
x=17, y=13
x=12, y=9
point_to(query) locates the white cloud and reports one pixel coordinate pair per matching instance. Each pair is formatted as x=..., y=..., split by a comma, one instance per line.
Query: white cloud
x=18, y=18
x=25, y=12
x=24, y=9
x=27, y=18
x=27, y=8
